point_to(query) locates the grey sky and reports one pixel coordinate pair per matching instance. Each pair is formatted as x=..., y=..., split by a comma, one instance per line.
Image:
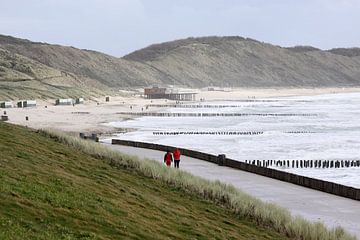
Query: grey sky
x=118, y=27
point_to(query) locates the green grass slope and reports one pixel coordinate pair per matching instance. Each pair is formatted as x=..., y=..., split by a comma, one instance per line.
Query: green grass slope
x=49, y=190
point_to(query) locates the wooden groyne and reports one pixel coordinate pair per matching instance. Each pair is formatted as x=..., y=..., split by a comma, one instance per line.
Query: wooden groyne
x=195, y=106
x=267, y=100
x=321, y=163
x=170, y=114
x=222, y=160
x=208, y=133
x=175, y=133
x=217, y=105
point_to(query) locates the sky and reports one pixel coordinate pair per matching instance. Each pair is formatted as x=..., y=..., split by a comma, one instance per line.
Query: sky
x=118, y=27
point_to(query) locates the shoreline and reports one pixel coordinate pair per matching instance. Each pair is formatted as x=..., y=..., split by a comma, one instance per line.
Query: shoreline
x=95, y=114
x=237, y=93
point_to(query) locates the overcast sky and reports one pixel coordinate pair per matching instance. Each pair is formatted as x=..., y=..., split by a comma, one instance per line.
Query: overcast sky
x=118, y=27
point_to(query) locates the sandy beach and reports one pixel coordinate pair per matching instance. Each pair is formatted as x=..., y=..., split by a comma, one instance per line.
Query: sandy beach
x=92, y=116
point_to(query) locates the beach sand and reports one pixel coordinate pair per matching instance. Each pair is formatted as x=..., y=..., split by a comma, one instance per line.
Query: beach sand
x=92, y=116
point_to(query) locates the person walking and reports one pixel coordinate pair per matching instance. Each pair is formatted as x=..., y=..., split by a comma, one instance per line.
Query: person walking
x=177, y=155
x=168, y=158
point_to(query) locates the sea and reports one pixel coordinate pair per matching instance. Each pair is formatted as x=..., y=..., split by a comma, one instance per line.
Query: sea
x=322, y=127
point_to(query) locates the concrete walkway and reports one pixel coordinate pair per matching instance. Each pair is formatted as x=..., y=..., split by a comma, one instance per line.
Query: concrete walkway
x=311, y=204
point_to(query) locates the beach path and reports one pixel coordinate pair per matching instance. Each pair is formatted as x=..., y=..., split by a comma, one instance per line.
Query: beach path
x=310, y=204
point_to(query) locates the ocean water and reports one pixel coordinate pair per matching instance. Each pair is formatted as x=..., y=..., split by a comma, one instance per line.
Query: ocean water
x=325, y=127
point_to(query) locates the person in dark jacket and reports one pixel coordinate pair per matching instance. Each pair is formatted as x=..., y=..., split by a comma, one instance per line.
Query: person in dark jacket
x=168, y=158
x=176, y=155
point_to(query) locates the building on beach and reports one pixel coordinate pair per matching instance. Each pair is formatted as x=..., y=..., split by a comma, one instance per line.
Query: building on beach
x=79, y=100
x=65, y=101
x=172, y=94
x=6, y=104
x=26, y=103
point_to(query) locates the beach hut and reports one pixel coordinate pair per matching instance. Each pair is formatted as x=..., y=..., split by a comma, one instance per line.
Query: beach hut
x=29, y=103
x=79, y=101
x=6, y=104
x=26, y=103
x=65, y=101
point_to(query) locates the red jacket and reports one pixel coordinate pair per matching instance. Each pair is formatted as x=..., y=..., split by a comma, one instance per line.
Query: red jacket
x=177, y=154
x=168, y=158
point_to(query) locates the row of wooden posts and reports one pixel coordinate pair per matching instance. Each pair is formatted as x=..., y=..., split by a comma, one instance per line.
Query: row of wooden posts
x=169, y=114
x=267, y=100
x=205, y=105
x=305, y=163
x=175, y=133
x=195, y=106
x=208, y=133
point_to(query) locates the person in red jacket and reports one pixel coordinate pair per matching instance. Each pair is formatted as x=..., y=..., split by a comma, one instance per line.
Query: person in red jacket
x=177, y=155
x=168, y=158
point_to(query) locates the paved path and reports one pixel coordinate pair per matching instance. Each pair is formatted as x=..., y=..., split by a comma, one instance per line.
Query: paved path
x=311, y=204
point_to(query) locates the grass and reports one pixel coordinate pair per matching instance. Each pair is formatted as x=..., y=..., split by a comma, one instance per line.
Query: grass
x=56, y=187
x=242, y=205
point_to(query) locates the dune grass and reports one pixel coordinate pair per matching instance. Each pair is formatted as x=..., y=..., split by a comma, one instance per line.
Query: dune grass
x=241, y=204
x=52, y=188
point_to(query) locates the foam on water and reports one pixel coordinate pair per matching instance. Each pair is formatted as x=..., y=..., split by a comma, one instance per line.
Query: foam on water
x=333, y=133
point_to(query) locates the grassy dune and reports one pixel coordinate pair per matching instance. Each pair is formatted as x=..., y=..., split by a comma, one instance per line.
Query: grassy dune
x=50, y=190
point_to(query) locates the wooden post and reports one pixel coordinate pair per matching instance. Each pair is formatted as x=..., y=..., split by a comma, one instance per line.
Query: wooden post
x=221, y=159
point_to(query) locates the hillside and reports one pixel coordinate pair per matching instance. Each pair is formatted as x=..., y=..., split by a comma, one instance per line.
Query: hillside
x=192, y=62
x=349, y=52
x=52, y=191
x=22, y=77
x=235, y=61
x=106, y=70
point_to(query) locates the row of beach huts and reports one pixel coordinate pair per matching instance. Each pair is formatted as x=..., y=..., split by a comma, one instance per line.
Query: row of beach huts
x=20, y=104
x=69, y=101
x=32, y=103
